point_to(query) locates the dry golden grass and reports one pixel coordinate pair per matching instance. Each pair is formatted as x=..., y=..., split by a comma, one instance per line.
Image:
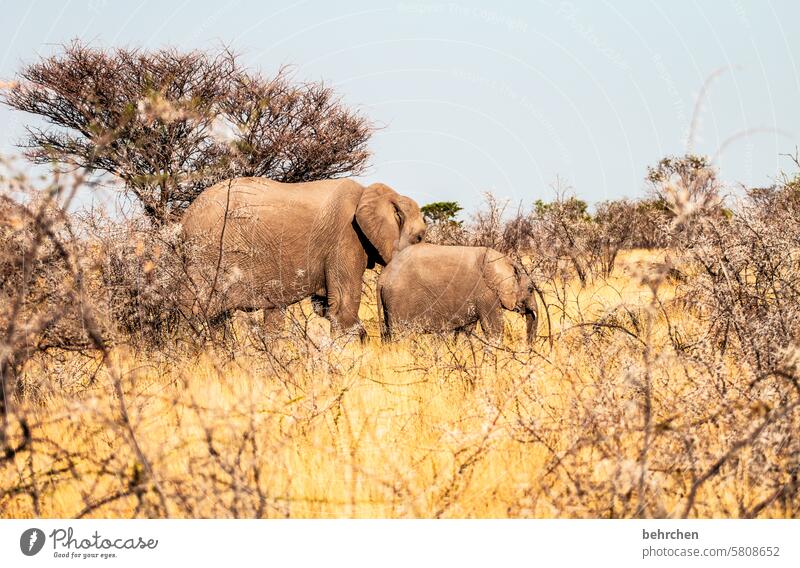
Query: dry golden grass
x=425, y=427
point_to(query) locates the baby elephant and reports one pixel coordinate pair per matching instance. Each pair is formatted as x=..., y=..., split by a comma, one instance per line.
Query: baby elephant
x=438, y=288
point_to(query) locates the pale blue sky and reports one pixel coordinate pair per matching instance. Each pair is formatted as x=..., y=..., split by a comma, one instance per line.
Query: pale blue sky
x=499, y=96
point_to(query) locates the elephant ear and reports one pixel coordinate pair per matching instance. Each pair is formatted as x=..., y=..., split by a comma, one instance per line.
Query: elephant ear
x=501, y=277
x=379, y=217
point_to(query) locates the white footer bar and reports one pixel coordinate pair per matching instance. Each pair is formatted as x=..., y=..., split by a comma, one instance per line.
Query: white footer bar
x=403, y=543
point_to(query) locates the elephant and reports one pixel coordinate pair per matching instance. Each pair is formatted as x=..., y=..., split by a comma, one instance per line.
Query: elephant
x=434, y=288
x=256, y=244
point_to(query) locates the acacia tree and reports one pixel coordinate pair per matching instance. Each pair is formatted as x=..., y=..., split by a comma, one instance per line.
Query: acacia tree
x=443, y=212
x=693, y=174
x=444, y=228
x=169, y=124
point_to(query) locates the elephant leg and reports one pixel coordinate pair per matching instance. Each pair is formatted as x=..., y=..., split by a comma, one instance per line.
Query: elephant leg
x=492, y=324
x=343, y=314
x=343, y=286
x=342, y=310
x=272, y=322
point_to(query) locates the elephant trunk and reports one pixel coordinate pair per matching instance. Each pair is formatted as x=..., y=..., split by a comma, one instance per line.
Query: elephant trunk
x=531, y=321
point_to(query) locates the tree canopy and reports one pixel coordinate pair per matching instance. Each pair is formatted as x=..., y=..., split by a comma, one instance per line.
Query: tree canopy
x=441, y=212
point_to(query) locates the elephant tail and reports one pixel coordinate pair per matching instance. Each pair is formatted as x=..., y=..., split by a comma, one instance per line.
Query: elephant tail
x=382, y=319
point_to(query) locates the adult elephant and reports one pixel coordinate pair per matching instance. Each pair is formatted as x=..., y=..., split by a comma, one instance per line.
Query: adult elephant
x=261, y=244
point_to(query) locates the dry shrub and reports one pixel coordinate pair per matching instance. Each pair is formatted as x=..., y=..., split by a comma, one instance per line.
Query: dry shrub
x=747, y=285
x=640, y=428
x=139, y=269
x=561, y=237
x=655, y=397
x=649, y=224
x=43, y=288
x=447, y=234
x=613, y=421
x=568, y=240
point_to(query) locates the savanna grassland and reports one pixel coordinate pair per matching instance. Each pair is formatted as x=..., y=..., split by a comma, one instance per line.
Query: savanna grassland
x=664, y=381
x=606, y=421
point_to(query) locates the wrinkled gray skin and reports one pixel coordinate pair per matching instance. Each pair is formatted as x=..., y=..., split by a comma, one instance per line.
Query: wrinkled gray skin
x=434, y=288
x=281, y=243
